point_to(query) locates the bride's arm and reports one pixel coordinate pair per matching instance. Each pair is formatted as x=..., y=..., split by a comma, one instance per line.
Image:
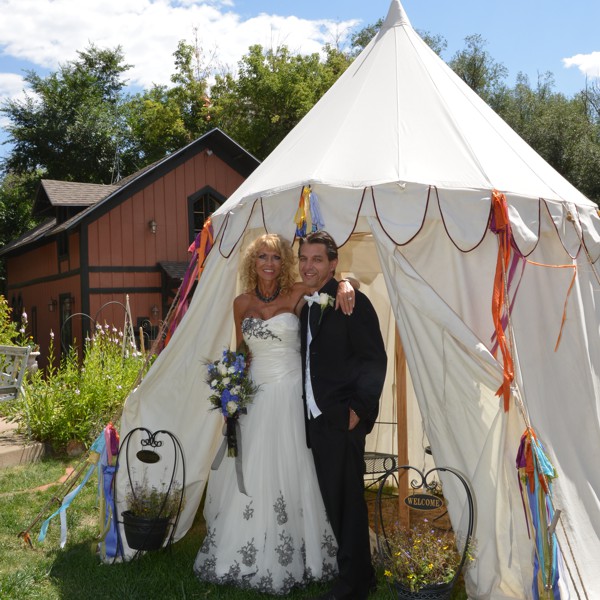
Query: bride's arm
x=240, y=305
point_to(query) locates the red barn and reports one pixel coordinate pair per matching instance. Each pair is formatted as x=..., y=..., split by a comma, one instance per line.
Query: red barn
x=102, y=243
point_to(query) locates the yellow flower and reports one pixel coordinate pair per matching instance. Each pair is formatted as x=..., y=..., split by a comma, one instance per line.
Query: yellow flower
x=387, y=573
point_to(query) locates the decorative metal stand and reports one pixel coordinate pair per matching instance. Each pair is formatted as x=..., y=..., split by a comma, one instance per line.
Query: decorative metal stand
x=421, y=501
x=139, y=452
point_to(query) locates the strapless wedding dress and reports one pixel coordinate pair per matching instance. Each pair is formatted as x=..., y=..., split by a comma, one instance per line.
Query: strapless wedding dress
x=277, y=537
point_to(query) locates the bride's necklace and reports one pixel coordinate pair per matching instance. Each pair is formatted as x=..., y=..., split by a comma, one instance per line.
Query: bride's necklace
x=267, y=299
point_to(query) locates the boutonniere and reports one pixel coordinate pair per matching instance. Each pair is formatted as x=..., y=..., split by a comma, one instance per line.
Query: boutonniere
x=325, y=300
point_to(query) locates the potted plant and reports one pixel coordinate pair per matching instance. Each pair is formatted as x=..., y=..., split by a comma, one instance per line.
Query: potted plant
x=151, y=511
x=423, y=562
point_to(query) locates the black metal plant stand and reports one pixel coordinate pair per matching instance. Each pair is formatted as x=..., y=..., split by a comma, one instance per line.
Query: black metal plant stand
x=138, y=451
x=421, y=482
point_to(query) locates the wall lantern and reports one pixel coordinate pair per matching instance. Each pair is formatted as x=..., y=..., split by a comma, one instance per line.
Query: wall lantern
x=153, y=226
x=52, y=304
x=154, y=310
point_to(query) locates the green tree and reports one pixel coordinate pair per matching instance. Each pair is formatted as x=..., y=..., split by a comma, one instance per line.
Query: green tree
x=68, y=126
x=360, y=39
x=272, y=90
x=476, y=67
x=164, y=119
x=16, y=193
x=562, y=130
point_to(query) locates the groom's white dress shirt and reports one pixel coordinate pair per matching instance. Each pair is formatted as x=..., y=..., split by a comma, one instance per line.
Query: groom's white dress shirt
x=311, y=405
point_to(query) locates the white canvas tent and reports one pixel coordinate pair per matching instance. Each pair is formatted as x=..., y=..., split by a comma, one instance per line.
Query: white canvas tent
x=403, y=158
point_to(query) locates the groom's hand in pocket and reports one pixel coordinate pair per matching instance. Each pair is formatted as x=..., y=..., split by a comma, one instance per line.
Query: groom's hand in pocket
x=354, y=419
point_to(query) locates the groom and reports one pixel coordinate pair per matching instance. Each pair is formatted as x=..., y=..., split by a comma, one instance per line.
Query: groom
x=344, y=363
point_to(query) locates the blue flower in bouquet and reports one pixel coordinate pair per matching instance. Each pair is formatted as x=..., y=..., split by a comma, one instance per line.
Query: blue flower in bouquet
x=230, y=383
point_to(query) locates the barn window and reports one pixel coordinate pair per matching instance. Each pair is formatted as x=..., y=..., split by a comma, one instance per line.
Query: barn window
x=201, y=205
x=62, y=242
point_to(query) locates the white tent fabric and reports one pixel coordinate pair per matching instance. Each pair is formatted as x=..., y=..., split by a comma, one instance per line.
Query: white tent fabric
x=403, y=158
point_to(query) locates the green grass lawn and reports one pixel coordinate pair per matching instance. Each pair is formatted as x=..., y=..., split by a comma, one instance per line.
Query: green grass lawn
x=74, y=573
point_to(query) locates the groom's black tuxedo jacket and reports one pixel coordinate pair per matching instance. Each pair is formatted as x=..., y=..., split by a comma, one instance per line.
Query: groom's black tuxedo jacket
x=347, y=359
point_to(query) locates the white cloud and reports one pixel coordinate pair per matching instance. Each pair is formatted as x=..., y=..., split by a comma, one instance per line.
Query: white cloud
x=47, y=34
x=11, y=85
x=588, y=64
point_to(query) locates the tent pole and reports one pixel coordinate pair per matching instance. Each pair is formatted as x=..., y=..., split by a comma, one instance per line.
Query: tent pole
x=402, y=431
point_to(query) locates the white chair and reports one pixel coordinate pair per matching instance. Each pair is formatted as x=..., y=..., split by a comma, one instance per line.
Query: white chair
x=13, y=364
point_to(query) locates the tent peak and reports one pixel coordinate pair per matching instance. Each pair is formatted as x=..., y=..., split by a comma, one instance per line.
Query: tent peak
x=396, y=16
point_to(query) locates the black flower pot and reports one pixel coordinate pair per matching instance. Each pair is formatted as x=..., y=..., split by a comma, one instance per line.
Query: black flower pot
x=441, y=591
x=143, y=533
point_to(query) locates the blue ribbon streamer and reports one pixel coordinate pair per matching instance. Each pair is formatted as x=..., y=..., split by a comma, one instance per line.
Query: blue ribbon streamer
x=65, y=504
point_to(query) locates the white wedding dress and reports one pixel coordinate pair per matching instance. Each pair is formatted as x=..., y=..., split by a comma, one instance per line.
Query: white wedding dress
x=277, y=537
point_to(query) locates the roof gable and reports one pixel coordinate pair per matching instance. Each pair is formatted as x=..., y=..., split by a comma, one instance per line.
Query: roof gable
x=52, y=194
x=215, y=141
x=68, y=204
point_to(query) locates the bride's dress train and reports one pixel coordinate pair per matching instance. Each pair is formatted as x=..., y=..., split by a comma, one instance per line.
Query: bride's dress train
x=277, y=537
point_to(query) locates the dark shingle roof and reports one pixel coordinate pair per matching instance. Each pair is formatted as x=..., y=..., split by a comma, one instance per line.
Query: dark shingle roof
x=37, y=233
x=70, y=193
x=175, y=270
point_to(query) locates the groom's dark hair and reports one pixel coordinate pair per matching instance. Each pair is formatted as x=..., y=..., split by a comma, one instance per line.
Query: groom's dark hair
x=321, y=237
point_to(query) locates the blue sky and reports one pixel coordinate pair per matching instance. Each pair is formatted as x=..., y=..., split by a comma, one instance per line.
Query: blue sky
x=531, y=36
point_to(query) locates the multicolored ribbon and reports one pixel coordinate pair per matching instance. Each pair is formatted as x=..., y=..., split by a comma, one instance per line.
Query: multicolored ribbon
x=93, y=458
x=200, y=249
x=308, y=216
x=108, y=545
x=535, y=480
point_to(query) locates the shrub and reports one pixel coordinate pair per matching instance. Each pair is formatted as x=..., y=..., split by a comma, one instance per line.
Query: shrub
x=11, y=332
x=76, y=400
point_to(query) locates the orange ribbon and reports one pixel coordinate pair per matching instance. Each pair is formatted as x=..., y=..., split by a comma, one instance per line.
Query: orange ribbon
x=503, y=230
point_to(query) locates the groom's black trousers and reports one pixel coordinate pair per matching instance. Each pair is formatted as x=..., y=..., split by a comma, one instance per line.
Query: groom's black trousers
x=340, y=465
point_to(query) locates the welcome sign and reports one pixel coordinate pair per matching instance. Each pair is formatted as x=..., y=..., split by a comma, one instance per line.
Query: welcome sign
x=424, y=501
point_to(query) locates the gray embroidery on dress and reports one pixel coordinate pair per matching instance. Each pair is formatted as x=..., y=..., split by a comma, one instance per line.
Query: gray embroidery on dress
x=207, y=570
x=234, y=571
x=209, y=541
x=265, y=584
x=248, y=553
x=329, y=570
x=328, y=544
x=253, y=327
x=248, y=511
x=285, y=550
x=280, y=509
x=288, y=583
x=308, y=575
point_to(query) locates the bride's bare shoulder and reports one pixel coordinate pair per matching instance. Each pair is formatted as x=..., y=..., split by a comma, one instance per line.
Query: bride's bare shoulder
x=299, y=288
x=242, y=301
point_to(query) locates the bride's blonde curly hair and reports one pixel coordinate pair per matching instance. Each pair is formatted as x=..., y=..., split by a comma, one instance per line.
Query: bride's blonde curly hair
x=272, y=242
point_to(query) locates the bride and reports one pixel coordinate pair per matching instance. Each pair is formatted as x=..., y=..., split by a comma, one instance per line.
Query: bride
x=277, y=536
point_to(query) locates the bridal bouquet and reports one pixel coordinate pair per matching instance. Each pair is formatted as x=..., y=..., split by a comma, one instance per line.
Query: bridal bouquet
x=233, y=391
